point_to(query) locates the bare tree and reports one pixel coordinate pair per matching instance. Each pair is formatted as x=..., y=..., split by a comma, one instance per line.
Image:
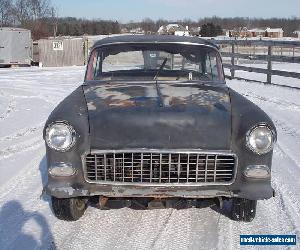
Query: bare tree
x=21, y=11
x=5, y=12
x=33, y=15
x=39, y=9
x=148, y=25
x=31, y=10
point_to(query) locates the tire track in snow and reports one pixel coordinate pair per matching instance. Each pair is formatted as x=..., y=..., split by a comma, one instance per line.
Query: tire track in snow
x=11, y=108
x=227, y=229
x=279, y=103
x=288, y=194
x=23, y=179
x=180, y=229
x=163, y=227
x=22, y=133
x=204, y=229
x=286, y=129
x=288, y=132
x=29, y=145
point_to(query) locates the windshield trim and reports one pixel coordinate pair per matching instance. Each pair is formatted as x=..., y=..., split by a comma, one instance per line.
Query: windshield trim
x=192, y=82
x=156, y=43
x=183, y=43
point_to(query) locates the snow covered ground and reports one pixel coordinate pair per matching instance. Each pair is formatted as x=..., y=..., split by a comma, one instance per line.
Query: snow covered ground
x=28, y=95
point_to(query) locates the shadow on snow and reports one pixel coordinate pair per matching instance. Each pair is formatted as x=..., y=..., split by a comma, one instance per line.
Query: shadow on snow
x=13, y=226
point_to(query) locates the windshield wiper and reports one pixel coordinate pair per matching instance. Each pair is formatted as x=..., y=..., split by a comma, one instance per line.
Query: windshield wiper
x=160, y=68
x=156, y=82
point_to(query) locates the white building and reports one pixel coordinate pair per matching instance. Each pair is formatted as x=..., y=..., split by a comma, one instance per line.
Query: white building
x=297, y=32
x=257, y=32
x=274, y=33
x=173, y=29
x=138, y=30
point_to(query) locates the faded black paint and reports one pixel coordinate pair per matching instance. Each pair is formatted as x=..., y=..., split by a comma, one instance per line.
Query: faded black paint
x=153, y=39
x=194, y=115
x=124, y=115
x=245, y=115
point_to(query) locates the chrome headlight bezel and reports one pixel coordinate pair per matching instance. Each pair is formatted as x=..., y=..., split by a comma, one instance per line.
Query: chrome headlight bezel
x=250, y=133
x=71, y=130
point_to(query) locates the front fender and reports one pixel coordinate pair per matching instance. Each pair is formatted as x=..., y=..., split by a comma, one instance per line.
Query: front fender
x=73, y=110
x=246, y=115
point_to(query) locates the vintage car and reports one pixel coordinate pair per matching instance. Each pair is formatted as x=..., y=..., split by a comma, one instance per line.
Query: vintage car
x=155, y=120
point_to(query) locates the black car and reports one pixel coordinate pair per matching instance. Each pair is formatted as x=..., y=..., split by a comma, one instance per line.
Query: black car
x=154, y=120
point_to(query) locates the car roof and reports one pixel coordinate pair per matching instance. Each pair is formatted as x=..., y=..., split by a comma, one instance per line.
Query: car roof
x=154, y=39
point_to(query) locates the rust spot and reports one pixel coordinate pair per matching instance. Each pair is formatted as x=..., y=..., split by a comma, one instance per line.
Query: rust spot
x=102, y=202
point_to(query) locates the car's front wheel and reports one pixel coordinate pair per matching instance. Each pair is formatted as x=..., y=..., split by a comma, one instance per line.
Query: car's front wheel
x=70, y=209
x=243, y=209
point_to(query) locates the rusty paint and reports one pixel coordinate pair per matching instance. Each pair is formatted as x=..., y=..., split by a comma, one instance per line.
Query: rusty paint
x=130, y=114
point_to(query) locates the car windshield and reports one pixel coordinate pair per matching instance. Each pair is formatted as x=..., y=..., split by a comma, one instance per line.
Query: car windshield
x=155, y=62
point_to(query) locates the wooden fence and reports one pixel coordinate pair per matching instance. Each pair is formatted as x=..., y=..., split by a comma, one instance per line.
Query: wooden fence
x=60, y=52
x=266, y=51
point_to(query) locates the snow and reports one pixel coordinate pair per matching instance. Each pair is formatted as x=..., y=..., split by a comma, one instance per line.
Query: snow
x=28, y=95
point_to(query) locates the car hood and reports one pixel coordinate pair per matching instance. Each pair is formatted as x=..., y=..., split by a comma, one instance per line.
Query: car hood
x=164, y=116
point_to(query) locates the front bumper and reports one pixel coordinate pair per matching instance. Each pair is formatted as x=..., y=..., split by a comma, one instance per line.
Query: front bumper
x=253, y=190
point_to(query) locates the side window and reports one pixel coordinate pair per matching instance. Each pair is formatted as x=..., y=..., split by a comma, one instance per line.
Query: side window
x=92, y=66
x=98, y=65
x=212, y=70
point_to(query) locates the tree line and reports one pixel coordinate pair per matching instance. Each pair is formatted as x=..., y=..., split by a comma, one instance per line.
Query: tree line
x=289, y=25
x=40, y=16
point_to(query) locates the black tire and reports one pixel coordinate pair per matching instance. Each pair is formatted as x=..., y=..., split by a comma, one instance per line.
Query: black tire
x=68, y=209
x=243, y=209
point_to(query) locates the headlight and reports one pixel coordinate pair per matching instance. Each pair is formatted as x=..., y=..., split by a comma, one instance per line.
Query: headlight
x=260, y=139
x=60, y=136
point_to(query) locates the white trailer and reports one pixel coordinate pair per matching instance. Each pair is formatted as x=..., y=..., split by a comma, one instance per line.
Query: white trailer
x=15, y=46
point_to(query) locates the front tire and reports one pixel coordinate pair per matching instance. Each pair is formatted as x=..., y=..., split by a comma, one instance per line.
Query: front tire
x=70, y=209
x=243, y=209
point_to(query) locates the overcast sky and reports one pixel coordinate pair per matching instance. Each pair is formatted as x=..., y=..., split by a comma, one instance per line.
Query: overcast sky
x=126, y=10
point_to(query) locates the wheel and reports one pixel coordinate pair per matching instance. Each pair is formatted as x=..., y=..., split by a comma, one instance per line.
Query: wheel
x=68, y=209
x=243, y=209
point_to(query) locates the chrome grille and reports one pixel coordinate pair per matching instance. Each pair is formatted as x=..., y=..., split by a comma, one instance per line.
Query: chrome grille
x=160, y=167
